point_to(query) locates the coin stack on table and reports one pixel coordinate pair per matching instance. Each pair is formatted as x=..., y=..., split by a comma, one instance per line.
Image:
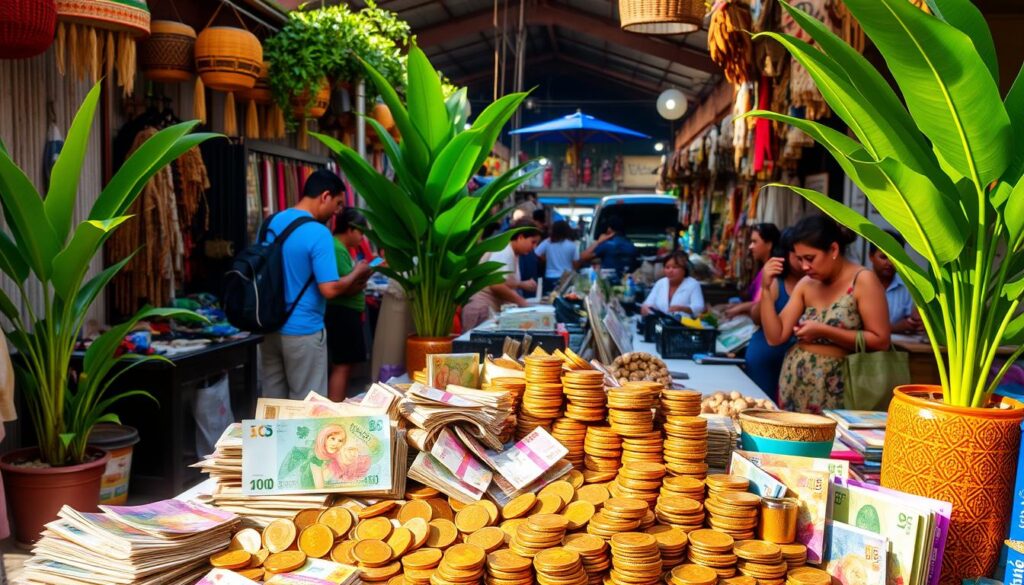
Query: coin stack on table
x=640, y=481
x=559, y=566
x=808, y=576
x=618, y=515
x=542, y=398
x=572, y=435
x=643, y=447
x=713, y=550
x=671, y=542
x=679, y=403
x=418, y=566
x=630, y=411
x=794, y=554
x=636, y=559
x=683, y=486
x=680, y=512
x=761, y=560
x=602, y=450
x=734, y=513
x=692, y=575
x=593, y=552
x=686, y=445
x=584, y=391
x=504, y=567
x=462, y=563
x=539, y=532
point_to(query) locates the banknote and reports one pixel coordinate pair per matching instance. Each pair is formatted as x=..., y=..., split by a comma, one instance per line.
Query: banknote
x=502, y=492
x=835, y=467
x=522, y=462
x=855, y=556
x=317, y=572
x=460, y=369
x=457, y=458
x=339, y=454
x=810, y=487
x=283, y=409
x=224, y=577
x=171, y=518
x=427, y=470
x=884, y=515
x=761, y=482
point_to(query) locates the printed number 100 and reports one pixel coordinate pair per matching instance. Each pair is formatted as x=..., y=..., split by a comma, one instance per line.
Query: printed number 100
x=261, y=484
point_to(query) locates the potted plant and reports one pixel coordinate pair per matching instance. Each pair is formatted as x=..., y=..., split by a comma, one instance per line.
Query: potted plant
x=427, y=222
x=43, y=246
x=946, y=171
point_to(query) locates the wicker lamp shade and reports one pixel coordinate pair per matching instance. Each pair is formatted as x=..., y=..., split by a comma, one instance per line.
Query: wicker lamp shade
x=228, y=58
x=98, y=36
x=661, y=17
x=27, y=28
x=167, y=55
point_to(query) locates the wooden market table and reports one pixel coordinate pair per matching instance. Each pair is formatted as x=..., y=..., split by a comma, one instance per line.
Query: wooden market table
x=923, y=369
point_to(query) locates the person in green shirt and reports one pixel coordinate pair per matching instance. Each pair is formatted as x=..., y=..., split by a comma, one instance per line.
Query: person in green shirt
x=346, y=345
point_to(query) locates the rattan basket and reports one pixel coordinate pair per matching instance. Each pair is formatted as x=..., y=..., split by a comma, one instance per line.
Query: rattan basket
x=228, y=58
x=661, y=17
x=317, y=105
x=27, y=28
x=167, y=55
x=260, y=93
x=787, y=426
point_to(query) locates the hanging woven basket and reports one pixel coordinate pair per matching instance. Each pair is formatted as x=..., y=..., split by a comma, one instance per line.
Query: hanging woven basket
x=228, y=58
x=304, y=107
x=661, y=17
x=260, y=92
x=98, y=36
x=167, y=55
x=27, y=28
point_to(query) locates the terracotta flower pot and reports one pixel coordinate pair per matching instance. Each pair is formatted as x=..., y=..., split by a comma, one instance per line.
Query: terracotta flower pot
x=966, y=456
x=36, y=494
x=317, y=103
x=417, y=348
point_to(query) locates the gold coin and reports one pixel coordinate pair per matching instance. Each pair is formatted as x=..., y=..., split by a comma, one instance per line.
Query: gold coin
x=425, y=558
x=400, y=541
x=519, y=505
x=739, y=580
x=279, y=535
x=247, y=539
x=420, y=531
x=285, y=561
x=369, y=574
x=416, y=509
x=667, y=536
x=633, y=540
x=596, y=494
x=578, y=514
x=441, y=509
x=507, y=561
x=492, y=511
x=377, y=528
x=585, y=544
x=809, y=576
x=342, y=553
x=254, y=574
x=421, y=493
x=555, y=559
x=744, y=499
x=258, y=558
x=442, y=533
x=231, y=559
x=457, y=505
x=465, y=557
x=378, y=509
x=316, y=540
x=490, y=538
x=549, y=523
x=548, y=504
x=304, y=518
x=693, y=575
x=562, y=489
x=509, y=527
x=710, y=540
x=794, y=550
x=472, y=518
x=338, y=519
x=372, y=553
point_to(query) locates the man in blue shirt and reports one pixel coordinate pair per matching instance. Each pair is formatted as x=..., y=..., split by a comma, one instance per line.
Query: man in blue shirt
x=294, y=359
x=613, y=249
x=903, y=315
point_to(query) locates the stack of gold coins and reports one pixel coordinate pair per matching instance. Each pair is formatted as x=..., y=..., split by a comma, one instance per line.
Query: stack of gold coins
x=671, y=542
x=584, y=391
x=643, y=447
x=722, y=482
x=490, y=538
x=713, y=549
x=808, y=576
x=686, y=445
x=417, y=567
x=739, y=580
x=692, y=575
x=652, y=388
x=602, y=449
x=734, y=513
x=578, y=514
x=681, y=512
x=542, y=397
x=505, y=567
x=559, y=566
x=375, y=561
x=595, y=493
x=539, y=532
x=542, y=369
x=560, y=489
x=761, y=560
x=593, y=552
x=638, y=480
x=681, y=485
x=629, y=411
x=462, y=563
x=680, y=403
x=617, y=515
x=636, y=559
x=572, y=435
x=474, y=517
x=794, y=554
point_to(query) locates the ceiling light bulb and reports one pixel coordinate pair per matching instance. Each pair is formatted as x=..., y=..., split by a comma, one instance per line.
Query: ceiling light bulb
x=670, y=104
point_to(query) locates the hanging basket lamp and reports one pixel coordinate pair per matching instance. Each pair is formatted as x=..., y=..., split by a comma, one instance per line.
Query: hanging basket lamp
x=98, y=36
x=228, y=59
x=661, y=17
x=27, y=28
x=167, y=55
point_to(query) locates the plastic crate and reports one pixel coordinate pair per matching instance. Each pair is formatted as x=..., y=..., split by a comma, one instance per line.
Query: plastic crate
x=677, y=342
x=646, y=326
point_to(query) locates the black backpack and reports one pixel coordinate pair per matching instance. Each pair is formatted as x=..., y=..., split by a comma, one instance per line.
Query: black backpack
x=254, y=295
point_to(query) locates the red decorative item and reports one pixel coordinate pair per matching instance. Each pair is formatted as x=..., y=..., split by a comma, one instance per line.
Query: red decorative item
x=27, y=28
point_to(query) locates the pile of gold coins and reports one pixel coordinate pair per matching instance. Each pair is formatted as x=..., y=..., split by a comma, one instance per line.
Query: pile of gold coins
x=640, y=481
x=559, y=566
x=571, y=434
x=585, y=397
x=602, y=449
x=636, y=559
x=542, y=397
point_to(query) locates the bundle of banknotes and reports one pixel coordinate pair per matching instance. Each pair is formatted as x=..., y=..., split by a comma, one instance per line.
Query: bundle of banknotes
x=163, y=543
x=489, y=415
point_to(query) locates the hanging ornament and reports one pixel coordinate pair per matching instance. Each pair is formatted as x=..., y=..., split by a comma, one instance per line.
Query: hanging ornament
x=27, y=28
x=167, y=56
x=93, y=35
x=228, y=59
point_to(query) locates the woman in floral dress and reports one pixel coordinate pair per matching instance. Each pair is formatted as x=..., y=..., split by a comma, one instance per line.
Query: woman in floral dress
x=836, y=299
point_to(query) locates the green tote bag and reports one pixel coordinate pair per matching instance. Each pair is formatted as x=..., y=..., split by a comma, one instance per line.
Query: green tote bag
x=869, y=377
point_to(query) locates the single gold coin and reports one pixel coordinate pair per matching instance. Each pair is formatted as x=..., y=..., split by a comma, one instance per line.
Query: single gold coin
x=231, y=559
x=342, y=553
x=338, y=519
x=757, y=550
x=549, y=504
x=492, y=511
x=285, y=561
x=304, y=518
x=378, y=509
x=562, y=489
x=316, y=540
x=376, y=528
x=420, y=531
x=425, y=558
x=379, y=574
x=441, y=509
x=258, y=558
x=594, y=493
x=578, y=514
x=710, y=540
x=668, y=536
x=247, y=539
x=465, y=557
x=456, y=504
x=548, y=523
x=442, y=533
x=556, y=559
x=279, y=535
x=576, y=478
x=519, y=506
x=400, y=541
x=254, y=574
x=693, y=575
x=472, y=518
x=745, y=499
x=490, y=538
x=808, y=576
x=585, y=544
x=509, y=527
x=416, y=509
x=372, y=553
x=421, y=493
x=507, y=561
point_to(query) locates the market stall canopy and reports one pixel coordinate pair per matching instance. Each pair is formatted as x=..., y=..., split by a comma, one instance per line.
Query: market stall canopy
x=579, y=128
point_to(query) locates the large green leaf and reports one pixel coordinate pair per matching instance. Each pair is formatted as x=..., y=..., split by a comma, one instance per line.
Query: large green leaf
x=71, y=264
x=7, y=306
x=1013, y=214
x=426, y=102
x=457, y=104
x=493, y=119
x=1014, y=104
x=177, y=149
x=406, y=179
x=23, y=210
x=392, y=234
x=966, y=17
x=478, y=285
x=455, y=223
x=11, y=261
x=947, y=86
x=60, y=199
x=417, y=154
x=94, y=286
x=1014, y=334
x=453, y=168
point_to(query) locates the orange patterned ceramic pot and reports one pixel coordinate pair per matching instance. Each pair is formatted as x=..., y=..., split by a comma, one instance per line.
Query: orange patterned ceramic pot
x=966, y=456
x=417, y=348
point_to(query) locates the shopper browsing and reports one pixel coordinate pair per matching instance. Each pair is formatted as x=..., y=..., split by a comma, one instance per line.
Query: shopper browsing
x=764, y=239
x=294, y=359
x=490, y=299
x=827, y=309
x=560, y=254
x=903, y=315
x=346, y=345
x=676, y=292
x=613, y=248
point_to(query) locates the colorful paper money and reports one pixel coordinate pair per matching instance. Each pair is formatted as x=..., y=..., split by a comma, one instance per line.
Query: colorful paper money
x=317, y=572
x=460, y=369
x=317, y=455
x=882, y=514
x=450, y=451
x=427, y=470
x=835, y=467
x=810, y=487
x=761, y=482
x=855, y=556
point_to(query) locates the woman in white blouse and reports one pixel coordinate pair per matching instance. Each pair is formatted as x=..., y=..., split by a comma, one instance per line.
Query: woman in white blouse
x=676, y=292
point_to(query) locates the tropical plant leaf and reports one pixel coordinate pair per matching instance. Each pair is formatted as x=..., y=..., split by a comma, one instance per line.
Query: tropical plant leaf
x=406, y=180
x=453, y=168
x=94, y=286
x=71, y=264
x=59, y=204
x=179, y=148
x=12, y=263
x=1014, y=104
x=426, y=102
x=1013, y=214
x=7, y=307
x=454, y=224
x=417, y=154
x=478, y=285
x=966, y=17
x=493, y=119
x=23, y=210
x=946, y=84
x=456, y=105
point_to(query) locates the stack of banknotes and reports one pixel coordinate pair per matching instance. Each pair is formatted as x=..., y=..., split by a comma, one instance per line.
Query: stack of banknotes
x=489, y=415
